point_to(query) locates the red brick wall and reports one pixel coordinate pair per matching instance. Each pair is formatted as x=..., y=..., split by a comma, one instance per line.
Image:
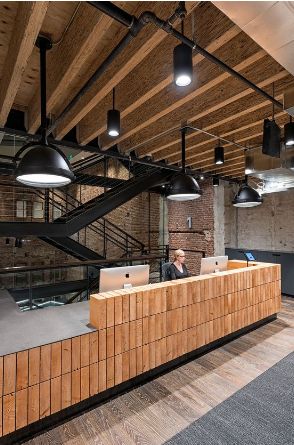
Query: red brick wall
x=201, y=235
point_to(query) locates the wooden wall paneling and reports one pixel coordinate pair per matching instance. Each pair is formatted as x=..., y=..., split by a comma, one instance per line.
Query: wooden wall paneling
x=75, y=353
x=102, y=375
x=125, y=308
x=45, y=363
x=118, y=378
x=110, y=311
x=98, y=311
x=56, y=394
x=152, y=359
x=9, y=375
x=55, y=359
x=102, y=345
x=34, y=403
x=45, y=399
x=118, y=339
x=110, y=342
x=94, y=387
x=21, y=408
x=66, y=356
x=22, y=370
x=94, y=347
x=8, y=413
x=34, y=366
x=85, y=382
x=85, y=350
x=118, y=310
x=110, y=372
x=125, y=366
x=76, y=386
x=66, y=390
x=133, y=363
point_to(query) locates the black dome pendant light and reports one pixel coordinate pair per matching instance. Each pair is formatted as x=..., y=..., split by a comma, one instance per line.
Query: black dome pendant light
x=44, y=165
x=183, y=187
x=113, y=119
x=247, y=196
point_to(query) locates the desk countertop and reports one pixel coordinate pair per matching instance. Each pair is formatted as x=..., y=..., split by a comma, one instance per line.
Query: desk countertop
x=24, y=330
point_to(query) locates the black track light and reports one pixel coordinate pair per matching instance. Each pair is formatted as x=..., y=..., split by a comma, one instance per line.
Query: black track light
x=183, y=63
x=219, y=157
x=183, y=187
x=44, y=165
x=247, y=196
x=215, y=181
x=113, y=119
x=289, y=133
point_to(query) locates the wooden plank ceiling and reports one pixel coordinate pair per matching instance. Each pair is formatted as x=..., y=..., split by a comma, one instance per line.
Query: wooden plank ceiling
x=146, y=95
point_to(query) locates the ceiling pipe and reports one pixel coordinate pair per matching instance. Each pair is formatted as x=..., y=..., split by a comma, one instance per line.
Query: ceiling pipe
x=135, y=26
x=110, y=154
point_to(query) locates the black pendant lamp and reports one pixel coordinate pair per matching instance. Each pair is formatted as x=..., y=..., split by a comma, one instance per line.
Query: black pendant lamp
x=183, y=187
x=219, y=157
x=247, y=196
x=183, y=63
x=44, y=165
x=289, y=133
x=113, y=119
x=215, y=181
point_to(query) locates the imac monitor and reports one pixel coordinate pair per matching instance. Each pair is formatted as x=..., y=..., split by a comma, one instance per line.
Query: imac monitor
x=115, y=278
x=213, y=264
x=249, y=256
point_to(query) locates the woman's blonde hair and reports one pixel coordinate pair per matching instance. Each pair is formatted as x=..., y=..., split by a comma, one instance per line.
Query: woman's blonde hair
x=177, y=253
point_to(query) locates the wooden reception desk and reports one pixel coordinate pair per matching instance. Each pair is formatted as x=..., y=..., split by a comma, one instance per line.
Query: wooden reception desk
x=139, y=333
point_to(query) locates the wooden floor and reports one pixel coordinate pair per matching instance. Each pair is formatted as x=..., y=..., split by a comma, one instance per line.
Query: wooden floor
x=158, y=410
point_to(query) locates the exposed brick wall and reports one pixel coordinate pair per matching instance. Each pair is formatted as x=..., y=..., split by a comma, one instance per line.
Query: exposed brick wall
x=201, y=235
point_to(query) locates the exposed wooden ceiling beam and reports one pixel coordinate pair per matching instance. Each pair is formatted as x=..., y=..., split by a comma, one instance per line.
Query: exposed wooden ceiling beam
x=29, y=19
x=65, y=62
x=220, y=105
x=88, y=129
x=150, y=39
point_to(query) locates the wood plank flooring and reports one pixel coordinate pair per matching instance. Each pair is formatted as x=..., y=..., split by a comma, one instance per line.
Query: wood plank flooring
x=158, y=410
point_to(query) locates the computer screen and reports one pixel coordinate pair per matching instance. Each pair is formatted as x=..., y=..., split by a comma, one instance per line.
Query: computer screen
x=213, y=264
x=115, y=278
x=249, y=256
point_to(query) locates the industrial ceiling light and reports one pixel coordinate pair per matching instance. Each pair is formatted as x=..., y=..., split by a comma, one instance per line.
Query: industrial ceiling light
x=289, y=133
x=183, y=187
x=219, y=157
x=113, y=119
x=183, y=63
x=249, y=164
x=247, y=196
x=44, y=165
x=215, y=181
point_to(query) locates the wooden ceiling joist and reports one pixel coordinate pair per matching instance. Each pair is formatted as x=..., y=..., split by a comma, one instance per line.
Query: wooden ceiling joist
x=29, y=19
x=66, y=61
x=88, y=126
x=144, y=44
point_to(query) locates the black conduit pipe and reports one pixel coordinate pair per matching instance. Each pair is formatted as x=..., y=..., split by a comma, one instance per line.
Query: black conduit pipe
x=135, y=25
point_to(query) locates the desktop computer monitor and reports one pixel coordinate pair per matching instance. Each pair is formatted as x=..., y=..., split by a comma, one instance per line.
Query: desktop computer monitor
x=213, y=264
x=115, y=278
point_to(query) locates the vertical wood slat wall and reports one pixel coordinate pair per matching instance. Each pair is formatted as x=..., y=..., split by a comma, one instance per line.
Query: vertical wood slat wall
x=136, y=331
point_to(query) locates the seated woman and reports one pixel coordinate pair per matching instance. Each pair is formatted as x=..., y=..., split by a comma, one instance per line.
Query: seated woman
x=178, y=269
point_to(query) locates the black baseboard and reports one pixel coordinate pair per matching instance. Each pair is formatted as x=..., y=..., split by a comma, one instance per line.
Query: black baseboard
x=39, y=427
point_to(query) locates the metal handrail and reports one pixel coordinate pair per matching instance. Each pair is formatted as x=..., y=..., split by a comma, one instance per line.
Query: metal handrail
x=18, y=269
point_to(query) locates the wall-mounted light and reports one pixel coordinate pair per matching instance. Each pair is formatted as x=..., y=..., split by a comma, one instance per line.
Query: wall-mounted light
x=113, y=119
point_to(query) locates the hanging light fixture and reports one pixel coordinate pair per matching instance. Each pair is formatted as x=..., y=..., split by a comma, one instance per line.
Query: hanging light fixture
x=113, y=119
x=219, y=157
x=183, y=187
x=215, y=181
x=44, y=165
x=247, y=196
x=183, y=63
x=249, y=163
x=289, y=133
